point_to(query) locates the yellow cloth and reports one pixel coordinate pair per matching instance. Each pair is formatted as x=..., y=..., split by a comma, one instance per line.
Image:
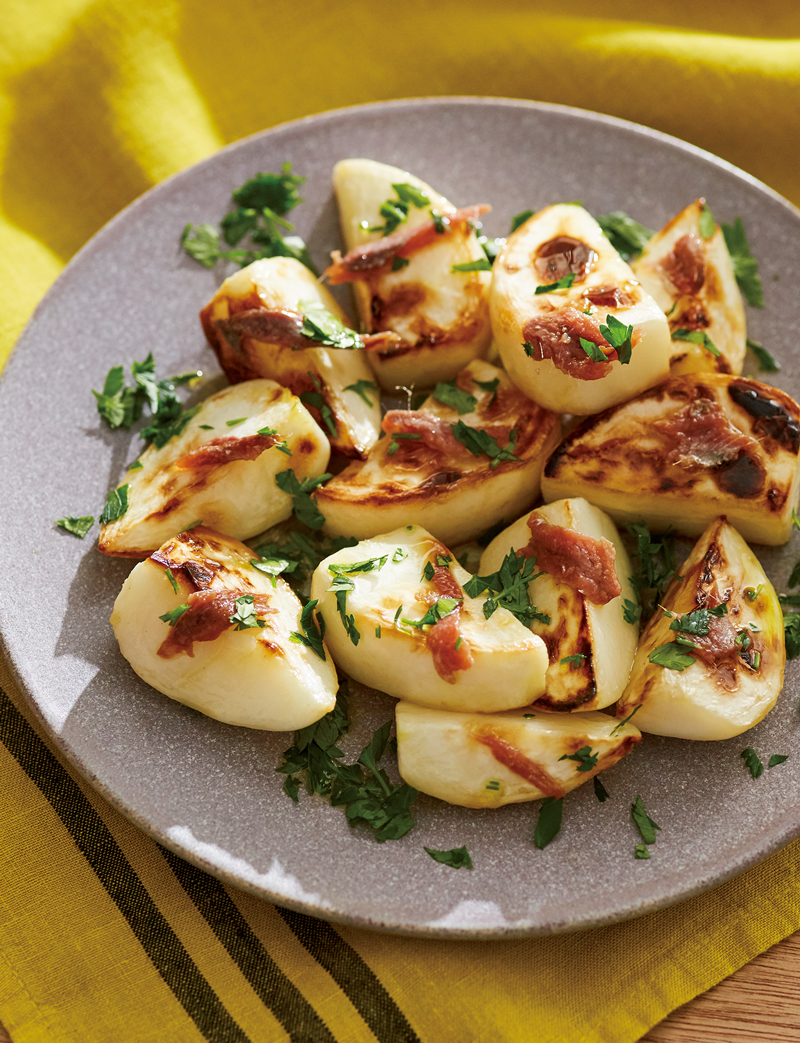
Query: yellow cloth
x=104, y=936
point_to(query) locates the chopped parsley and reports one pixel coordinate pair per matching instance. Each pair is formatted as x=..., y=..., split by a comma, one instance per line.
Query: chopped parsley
x=752, y=762
x=766, y=363
x=548, y=824
x=625, y=720
x=438, y=610
x=584, y=756
x=641, y=851
x=245, y=617
x=324, y=328
x=304, y=507
x=171, y=580
x=706, y=222
x=777, y=758
x=480, y=442
x=520, y=219
x=174, y=615
x=235, y=423
x=313, y=627
x=631, y=611
x=77, y=526
x=273, y=567
x=303, y=553
x=672, y=656
x=791, y=628
x=361, y=387
x=698, y=621
x=488, y=386
x=261, y=203
x=483, y=264
x=594, y=351
x=456, y=857
x=417, y=197
x=282, y=446
x=646, y=826
x=342, y=584
x=137, y=465
x=656, y=566
x=551, y=287
x=599, y=790
x=451, y=395
x=745, y=266
x=395, y=211
x=398, y=263
x=508, y=588
x=618, y=336
x=314, y=756
x=440, y=222
x=574, y=661
x=116, y=505
x=317, y=400
x=627, y=236
x=399, y=555
x=697, y=337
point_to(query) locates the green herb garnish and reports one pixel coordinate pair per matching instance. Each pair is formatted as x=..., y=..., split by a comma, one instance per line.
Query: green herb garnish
x=304, y=507
x=627, y=236
x=573, y=661
x=766, y=363
x=777, y=758
x=174, y=615
x=619, y=337
x=640, y=851
x=508, y=588
x=324, y=328
x=116, y=505
x=313, y=627
x=451, y=395
x=599, y=790
x=548, y=824
x=77, y=526
x=706, y=223
x=646, y=826
x=361, y=387
x=752, y=762
x=594, y=351
x=520, y=219
x=585, y=758
x=671, y=656
x=745, y=266
x=456, y=857
x=551, y=287
x=245, y=616
x=697, y=337
x=483, y=264
x=480, y=442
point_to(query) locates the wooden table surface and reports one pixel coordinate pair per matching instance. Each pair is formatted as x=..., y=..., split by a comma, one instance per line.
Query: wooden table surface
x=758, y=1004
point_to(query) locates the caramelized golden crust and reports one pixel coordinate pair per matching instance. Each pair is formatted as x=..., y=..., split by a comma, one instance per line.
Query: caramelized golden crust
x=685, y=451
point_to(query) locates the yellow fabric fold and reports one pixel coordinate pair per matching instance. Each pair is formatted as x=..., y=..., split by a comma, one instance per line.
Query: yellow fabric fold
x=100, y=100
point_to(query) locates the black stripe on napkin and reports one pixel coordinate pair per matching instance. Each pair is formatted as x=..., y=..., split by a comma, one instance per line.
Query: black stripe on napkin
x=276, y=991
x=353, y=976
x=95, y=842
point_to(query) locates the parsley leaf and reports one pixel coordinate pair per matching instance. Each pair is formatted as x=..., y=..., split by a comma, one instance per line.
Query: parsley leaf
x=438, y=610
x=303, y=506
x=77, y=526
x=766, y=363
x=314, y=754
x=594, y=351
x=599, y=790
x=697, y=337
x=453, y=396
x=399, y=555
x=201, y=242
x=625, y=720
x=456, y=857
x=745, y=266
x=245, y=617
x=777, y=758
x=342, y=585
x=508, y=588
x=323, y=328
x=752, y=762
x=706, y=223
x=361, y=387
x=548, y=824
x=627, y=236
x=316, y=400
x=170, y=578
x=640, y=851
x=652, y=577
x=418, y=197
x=273, y=567
x=479, y=441
x=313, y=628
x=520, y=219
x=672, y=656
x=276, y=191
x=483, y=264
x=618, y=336
x=562, y=284
x=303, y=552
x=116, y=505
x=573, y=661
x=585, y=758
x=488, y=386
x=118, y=405
x=698, y=621
x=791, y=627
x=631, y=611
x=646, y=826
x=174, y=615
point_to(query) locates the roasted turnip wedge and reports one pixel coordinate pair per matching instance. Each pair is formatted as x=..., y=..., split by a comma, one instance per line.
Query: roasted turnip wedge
x=687, y=270
x=402, y=240
x=220, y=469
x=199, y=623
x=488, y=760
x=582, y=580
x=397, y=618
x=471, y=456
x=574, y=328
x=685, y=452
x=710, y=665
x=255, y=323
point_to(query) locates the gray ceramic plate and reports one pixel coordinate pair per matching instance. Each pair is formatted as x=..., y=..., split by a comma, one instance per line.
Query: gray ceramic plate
x=209, y=791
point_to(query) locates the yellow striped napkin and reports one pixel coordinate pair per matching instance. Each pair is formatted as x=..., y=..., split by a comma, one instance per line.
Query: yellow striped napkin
x=104, y=936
